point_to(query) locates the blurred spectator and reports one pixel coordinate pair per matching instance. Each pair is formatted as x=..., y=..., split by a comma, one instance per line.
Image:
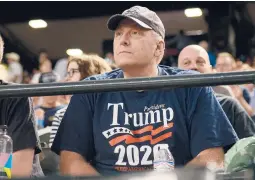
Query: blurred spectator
x=109, y=57
x=194, y=57
x=250, y=87
x=79, y=68
x=212, y=57
x=181, y=40
x=50, y=104
x=3, y=72
x=15, y=70
x=26, y=78
x=44, y=67
x=60, y=67
x=225, y=62
x=43, y=55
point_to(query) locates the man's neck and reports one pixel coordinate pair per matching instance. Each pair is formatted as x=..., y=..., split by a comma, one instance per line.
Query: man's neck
x=150, y=71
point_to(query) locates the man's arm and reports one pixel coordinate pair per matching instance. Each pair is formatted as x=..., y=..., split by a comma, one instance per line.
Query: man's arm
x=74, y=164
x=19, y=118
x=74, y=141
x=242, y=122
x=210, y=130
x=22, y=163
x=214, y=155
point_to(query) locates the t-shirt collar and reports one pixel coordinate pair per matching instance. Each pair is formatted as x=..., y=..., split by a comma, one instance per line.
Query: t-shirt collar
x=161, y=72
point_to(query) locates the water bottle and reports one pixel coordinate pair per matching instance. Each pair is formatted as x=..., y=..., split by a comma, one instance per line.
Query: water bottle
x=163, y=161
x=5, y=153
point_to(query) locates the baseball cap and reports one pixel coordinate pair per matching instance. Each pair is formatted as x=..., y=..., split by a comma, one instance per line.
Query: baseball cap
x=141, y=15
x=48, y=77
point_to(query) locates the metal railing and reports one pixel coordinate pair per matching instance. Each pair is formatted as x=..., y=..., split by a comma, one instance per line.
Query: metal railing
x=176, y=81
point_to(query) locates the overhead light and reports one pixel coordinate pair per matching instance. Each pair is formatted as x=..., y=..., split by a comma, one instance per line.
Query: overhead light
x=193, y=12
x=37, y=23
x=74, y=52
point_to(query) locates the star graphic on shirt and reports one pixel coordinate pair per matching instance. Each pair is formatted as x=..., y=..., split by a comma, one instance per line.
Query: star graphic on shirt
x=121, y=129
x=108, y=133
x=115, y=130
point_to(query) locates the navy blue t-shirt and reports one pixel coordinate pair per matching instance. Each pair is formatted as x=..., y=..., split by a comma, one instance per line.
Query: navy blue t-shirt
x=121, y=131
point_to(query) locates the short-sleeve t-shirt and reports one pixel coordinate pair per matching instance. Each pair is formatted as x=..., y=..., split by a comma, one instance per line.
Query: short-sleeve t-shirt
x=18, y=115
x=242, y=123
x=122, y=131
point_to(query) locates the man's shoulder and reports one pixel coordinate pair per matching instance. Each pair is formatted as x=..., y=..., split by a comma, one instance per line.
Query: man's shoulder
x=225, y=99
x=19, y=101
x=165, y=70
x=109, y=75
x=229, y=103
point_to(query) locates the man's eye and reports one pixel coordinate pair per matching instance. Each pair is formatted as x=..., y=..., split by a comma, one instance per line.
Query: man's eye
x=117, y=33
x=134, y=33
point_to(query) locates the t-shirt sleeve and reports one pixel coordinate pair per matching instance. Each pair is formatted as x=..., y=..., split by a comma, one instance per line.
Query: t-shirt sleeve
x=19, y=117
x=243, y=123
x=209, y=126
x=75, y=132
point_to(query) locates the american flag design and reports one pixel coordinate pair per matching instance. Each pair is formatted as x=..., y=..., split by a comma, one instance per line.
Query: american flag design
x=117, y=135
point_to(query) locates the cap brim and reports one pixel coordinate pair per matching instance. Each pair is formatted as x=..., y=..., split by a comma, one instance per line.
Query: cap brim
x=114, y=21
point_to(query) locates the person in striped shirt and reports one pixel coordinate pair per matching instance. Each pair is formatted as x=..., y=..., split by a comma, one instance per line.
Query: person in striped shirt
x=78, y=68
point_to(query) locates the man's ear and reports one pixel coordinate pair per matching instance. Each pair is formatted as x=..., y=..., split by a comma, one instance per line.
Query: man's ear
x=160, y=50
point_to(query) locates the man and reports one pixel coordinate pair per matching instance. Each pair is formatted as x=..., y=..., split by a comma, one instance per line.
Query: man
x=187, y=64
x=15, y=70
x=194, y=57
x=226, y=63
x=113, y=132
x=18, y=115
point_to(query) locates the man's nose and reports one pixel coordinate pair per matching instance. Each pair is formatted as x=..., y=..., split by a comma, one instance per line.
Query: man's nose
x=125, y=39
x=193, y=67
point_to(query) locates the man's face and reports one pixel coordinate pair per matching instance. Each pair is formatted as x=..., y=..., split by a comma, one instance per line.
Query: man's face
x=134, y=46
x=194, y=58
x=224, y=64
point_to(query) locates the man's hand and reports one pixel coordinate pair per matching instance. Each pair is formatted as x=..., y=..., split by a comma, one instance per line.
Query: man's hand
x=212, y=155
x=73, y=164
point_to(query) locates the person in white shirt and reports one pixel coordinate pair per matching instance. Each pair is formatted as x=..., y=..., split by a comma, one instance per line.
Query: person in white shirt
x=15, y=70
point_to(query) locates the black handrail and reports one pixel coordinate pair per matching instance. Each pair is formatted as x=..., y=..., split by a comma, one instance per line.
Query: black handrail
x=180, y=81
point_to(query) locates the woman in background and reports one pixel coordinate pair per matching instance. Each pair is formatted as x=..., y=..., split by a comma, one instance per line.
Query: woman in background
x=78, y=68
